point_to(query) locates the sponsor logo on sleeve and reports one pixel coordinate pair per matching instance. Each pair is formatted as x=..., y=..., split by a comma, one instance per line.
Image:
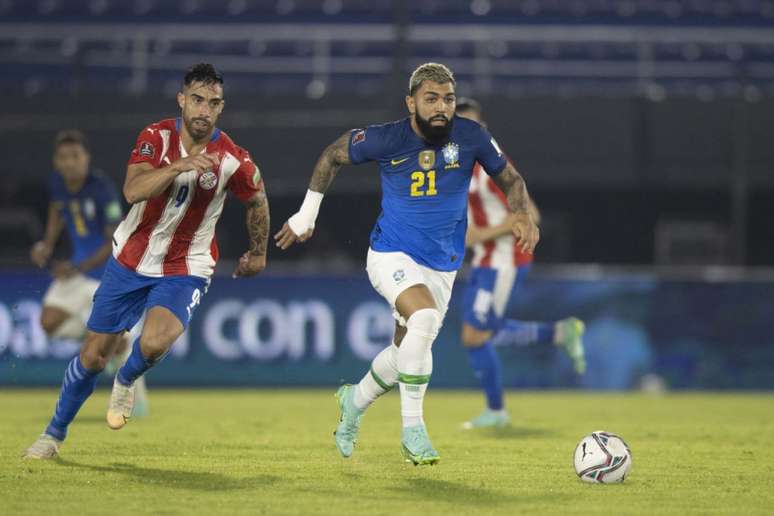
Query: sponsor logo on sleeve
x=147, y=149
x=358, y=137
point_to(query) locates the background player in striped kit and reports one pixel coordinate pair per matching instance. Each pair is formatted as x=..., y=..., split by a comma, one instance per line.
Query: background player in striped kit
x=164, y=251
x=418, y=242
x=498, y=266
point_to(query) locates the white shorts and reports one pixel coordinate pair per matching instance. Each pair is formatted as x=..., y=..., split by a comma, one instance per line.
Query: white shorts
x=73, y=295
x=392, y=273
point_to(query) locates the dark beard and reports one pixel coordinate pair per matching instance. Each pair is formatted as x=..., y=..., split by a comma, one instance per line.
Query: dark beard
x=435, y=135
x=196, y=133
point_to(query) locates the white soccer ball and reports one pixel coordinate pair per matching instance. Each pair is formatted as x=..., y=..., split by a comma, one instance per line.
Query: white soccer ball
x=602, y=457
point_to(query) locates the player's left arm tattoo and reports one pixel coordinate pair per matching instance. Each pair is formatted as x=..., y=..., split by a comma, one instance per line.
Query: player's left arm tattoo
x=333, y=157
x=514, y=188
x=258, y=223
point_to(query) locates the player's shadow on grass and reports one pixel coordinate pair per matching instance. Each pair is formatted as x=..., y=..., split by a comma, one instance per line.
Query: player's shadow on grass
x=514, y=432
x=92, y=420
x=434, y=489
x=193, y=480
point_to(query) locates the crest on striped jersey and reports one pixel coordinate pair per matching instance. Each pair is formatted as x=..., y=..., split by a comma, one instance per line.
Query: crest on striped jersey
x=208, y=180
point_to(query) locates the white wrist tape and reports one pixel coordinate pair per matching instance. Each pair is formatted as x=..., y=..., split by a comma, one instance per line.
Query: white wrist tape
x=303, y=220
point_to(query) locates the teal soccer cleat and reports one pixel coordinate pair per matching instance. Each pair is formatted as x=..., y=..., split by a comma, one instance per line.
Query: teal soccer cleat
x=349, y=421
x=488, y=419
x=569, y=335
x=416, y=446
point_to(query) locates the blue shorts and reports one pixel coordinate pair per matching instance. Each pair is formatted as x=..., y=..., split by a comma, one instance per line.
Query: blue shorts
x=487, y=294
x=123, y=296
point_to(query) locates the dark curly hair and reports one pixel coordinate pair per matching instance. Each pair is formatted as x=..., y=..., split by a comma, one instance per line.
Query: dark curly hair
x=204, y=73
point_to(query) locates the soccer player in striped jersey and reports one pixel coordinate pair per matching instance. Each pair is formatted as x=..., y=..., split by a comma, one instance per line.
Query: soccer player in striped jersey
x=418, y=242
x=164, y=251
x=499, y=265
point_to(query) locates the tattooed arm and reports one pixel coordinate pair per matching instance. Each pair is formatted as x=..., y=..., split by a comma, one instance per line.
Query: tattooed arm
x=254, y=260
x=333, y=157
x=524, y=226
x=300, y=226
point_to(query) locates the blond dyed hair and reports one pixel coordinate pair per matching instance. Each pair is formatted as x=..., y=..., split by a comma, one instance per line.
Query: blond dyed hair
x=435, y=72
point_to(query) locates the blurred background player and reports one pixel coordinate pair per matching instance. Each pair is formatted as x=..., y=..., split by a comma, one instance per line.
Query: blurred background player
x=84, y=201
x=164, y=251
x=499, y=265
x=418, y=242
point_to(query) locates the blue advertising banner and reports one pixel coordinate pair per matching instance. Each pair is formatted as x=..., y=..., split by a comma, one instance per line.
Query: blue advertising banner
x=321, y=331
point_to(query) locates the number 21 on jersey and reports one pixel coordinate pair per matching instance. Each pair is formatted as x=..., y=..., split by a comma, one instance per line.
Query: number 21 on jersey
x=423, y=183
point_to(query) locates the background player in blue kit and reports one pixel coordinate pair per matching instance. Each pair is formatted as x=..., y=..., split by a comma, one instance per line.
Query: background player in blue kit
x=498, y=266
x=418, y=242
x=83, y=202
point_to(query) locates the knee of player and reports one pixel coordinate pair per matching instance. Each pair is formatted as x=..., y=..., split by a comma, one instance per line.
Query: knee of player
x=427, y=321
x=93, y=358
x=155, y=344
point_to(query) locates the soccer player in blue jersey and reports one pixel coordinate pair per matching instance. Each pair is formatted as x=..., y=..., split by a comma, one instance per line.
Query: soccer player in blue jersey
x=498, y=267
x=418, y=242
x=84, y=203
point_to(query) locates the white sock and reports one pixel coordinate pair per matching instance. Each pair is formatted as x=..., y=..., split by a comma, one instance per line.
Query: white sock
x=415, y=363
x=381, y=378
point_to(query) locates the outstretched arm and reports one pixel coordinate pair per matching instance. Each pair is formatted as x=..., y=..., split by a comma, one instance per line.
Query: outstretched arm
x=333, y=157
x=254, y=260
x=524, y=226
x=300, y=226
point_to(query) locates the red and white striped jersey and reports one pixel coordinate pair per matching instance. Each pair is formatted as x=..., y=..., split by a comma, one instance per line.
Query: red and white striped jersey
x=173, y=233
x=488, y=206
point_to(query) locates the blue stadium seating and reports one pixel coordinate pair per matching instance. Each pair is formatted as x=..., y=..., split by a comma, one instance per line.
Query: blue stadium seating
x=574, y=47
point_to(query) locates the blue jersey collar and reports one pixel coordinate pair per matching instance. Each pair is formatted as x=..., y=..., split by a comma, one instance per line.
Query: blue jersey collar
x=215, y=133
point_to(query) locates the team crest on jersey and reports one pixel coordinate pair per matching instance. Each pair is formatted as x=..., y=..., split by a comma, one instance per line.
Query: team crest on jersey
x=427, y=159
x=89, y=208
x=451, y=155
x=208, y=180
x=147, y=149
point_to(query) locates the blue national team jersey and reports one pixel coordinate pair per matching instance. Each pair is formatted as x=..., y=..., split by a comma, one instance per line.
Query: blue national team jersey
x=86, y=213
x=425, y=187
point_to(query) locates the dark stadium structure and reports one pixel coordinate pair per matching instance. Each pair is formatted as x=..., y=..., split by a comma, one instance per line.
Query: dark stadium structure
x=640, y=125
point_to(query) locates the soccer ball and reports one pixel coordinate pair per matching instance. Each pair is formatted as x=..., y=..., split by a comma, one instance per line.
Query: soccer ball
x=602, y=457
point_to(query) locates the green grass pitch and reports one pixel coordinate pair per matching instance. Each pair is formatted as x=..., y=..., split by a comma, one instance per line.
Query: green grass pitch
x=271, y=452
